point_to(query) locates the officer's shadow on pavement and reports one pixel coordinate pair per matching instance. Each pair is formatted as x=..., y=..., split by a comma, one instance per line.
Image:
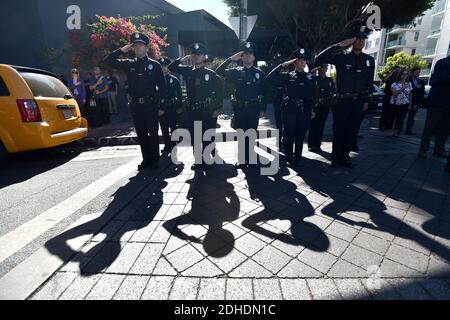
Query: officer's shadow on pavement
x=317, y=177
x=110, y=226
x=214, y=204
x=268, y=190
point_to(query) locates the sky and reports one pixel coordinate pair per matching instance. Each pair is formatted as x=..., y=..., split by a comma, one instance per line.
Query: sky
x=215, y=7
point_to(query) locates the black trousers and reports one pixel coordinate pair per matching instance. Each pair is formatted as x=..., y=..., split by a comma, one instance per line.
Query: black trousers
x=437, y=122
x=145, y=118
x=385, y=113
x=346, y=120
x=103, y=105
x=246, y=118
x=278, y=110
x=296, y=124
x=411, y=118
x=315, y=135
x=168, y=124
x=397, y=118
x=207, y=121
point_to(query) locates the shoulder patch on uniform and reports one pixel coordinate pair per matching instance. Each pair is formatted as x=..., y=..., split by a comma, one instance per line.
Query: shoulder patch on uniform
x=207, y=77
x=150, y=67
x=257, y=75
x=171, y=80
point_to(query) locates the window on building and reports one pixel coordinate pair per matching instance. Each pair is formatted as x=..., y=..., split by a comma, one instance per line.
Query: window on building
x=419, y=21
x=416, y=36
x=3, y=89
x=413, y=52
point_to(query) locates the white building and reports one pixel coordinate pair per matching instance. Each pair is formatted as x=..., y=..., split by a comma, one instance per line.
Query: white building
x=428, y=35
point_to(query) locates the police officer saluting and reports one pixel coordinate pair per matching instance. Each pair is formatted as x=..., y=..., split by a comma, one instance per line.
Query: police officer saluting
x=355, y=74
x=249, y=101
x=204, y=92
x=326, y=91
x=147, y=86
x=301, y=98
x=172, y=105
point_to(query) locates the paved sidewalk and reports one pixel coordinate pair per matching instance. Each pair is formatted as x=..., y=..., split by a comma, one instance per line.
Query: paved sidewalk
x=380, y=231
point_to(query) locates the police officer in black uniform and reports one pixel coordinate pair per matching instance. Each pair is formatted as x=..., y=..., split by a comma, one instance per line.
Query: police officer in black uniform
x=300, y=103
x=147, y=87
x=355, y=73
x=326, y=91
x=172, y=105
x=204, y=92
x=249, y=101
x=278, y=93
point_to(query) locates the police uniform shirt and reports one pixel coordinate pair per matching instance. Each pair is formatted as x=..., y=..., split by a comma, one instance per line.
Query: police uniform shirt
x=173, y=91
x=201, y=83
x=299, y=85
x=355, y=72
x=325, y=87
x=145, y=76
x=250, y=83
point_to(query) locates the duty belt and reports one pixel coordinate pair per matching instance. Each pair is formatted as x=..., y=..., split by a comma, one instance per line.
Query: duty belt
x=354, y=96
x=201, y=105
x=146, y=99
x=246, y=104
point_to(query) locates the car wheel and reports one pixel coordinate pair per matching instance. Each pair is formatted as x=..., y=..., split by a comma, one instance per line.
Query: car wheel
x=4, y=155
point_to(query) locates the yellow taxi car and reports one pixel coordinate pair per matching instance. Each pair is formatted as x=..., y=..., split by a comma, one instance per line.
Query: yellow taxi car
x=36, y=111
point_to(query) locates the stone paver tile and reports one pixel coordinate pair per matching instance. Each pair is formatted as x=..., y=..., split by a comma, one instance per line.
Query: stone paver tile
x=108, y=231
x=82, y=258
x=409, y=258
x=342, y=231
x=437, y=288
x=106, y=287
x=173, y=244
x=147, y=260
x=295, y=289
x=288, y=247
x=142, y=235
x=272, y=259
x=392, y=269
x=126, y=231
x=361, y=257
x=344, y=269
x=161, y=235
x=126, y=258
x=351, y=289
x=158, y=288
x=249, y=244
x=437, y=267
x=297, y=269
x=372, y=243
x=383, y=233
x=184, y=289
x=211, y=289
x=409, y=289
x=413, y=244
x=80, y=287
x=322, y=261
x=383, y=290
x=250, y=269
x=323, y=289
x=230, y=261
x=267, y=289
x=184, y=258
x=239, y=289
x=55, y=286
x=131, y=288
x=163, y=268
x=204, y=268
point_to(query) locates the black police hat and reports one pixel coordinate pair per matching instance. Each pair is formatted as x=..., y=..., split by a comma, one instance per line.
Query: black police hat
x=138, y=37
x=362, y=32
x=164, y=61
x=299, y=54
x=249, y=47
x=198, y=48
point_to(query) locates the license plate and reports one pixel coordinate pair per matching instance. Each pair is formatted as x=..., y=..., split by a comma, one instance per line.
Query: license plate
x=67, y=114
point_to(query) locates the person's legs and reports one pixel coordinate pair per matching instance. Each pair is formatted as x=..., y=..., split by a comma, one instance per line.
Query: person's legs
x=400, y=118
x=354, y=146
x=352, y=124
x=303, y=122
x=140, y=125
x=432, y=120
x=340, y=116
x=322, y=121
x=151, y=120
x=289, y=124
x=105, y=110
x=442, y=132
x=164, y=122
x=411, y=119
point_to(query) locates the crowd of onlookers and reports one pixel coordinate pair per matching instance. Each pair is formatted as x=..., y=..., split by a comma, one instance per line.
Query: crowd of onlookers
x=96, y=94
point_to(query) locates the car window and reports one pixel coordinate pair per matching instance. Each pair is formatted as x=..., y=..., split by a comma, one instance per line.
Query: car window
x=3, y=88
x=44, y=85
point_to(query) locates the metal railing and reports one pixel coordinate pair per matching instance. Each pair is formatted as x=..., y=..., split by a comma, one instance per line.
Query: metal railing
x=398, y=42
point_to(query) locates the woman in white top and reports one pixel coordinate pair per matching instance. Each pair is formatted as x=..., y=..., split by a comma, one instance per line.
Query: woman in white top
x=400, y=102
